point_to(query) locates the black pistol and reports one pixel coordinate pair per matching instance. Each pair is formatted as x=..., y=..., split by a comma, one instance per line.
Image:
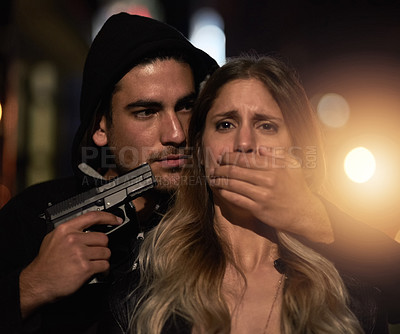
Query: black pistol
x=114, y=196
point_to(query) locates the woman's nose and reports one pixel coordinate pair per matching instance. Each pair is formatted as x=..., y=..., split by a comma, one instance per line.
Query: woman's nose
x=245, y=141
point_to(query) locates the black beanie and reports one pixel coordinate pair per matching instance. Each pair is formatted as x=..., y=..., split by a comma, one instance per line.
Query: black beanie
x=123, y=42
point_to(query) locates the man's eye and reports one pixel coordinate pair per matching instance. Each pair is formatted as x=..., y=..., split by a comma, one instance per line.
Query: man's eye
x=188, y=106
x=224, y=125
x=144, y=113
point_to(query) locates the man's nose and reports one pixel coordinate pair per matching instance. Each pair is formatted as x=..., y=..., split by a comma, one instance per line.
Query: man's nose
x=245, y=141
x=172, y=132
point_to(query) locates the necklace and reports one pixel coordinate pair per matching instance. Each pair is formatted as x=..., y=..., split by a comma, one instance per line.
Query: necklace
x=278, y=287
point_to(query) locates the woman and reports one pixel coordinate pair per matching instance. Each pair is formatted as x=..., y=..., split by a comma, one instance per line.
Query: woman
x=218, y=262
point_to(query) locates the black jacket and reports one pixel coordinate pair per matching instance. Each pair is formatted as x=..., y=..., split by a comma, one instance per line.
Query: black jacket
x=21, y=234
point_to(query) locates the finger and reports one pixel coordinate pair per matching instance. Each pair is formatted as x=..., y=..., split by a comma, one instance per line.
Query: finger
x=241, y=188
x=241, y=159
x=98, y=253
x=70, y=238
x=99, y=266
x=282, y=157
x=268, y=160
x=93, y=239
x=252, y=176
x=92, y=218
x=238, y=199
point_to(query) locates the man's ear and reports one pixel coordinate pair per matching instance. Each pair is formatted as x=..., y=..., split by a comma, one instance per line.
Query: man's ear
x=100, y=136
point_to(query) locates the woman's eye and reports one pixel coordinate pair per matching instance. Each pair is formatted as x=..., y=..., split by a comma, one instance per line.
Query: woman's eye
x=269, y=127
x=224, y=125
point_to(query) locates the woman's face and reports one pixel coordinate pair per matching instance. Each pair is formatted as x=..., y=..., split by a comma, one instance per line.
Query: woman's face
x=243, y=118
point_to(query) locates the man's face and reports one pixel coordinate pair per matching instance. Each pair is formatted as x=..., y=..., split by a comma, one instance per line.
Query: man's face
x=151, y=109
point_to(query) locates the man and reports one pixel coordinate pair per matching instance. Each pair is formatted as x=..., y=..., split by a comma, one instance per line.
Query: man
x=140, y=80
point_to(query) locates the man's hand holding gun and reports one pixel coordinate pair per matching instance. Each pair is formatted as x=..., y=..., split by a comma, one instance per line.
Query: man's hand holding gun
x=69, y=256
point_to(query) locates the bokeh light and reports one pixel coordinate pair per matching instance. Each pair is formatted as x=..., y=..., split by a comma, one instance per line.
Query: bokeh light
x=207, y=33
x=148, y=8
x=333, y=110
x=360, y=165
x=375, y=201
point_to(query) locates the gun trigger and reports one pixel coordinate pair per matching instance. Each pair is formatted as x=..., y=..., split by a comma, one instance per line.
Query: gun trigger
x=118, y=212
x=109, y=228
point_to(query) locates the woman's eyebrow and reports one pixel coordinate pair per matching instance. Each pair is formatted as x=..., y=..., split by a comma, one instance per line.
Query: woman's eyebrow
x=228, y=114
x=261, y=117
x=256, y=116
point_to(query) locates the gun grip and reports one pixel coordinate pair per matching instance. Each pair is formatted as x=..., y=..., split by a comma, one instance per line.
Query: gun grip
x=120, y=242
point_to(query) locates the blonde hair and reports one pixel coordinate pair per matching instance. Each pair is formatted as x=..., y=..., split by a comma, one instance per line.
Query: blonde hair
x=182, y=261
